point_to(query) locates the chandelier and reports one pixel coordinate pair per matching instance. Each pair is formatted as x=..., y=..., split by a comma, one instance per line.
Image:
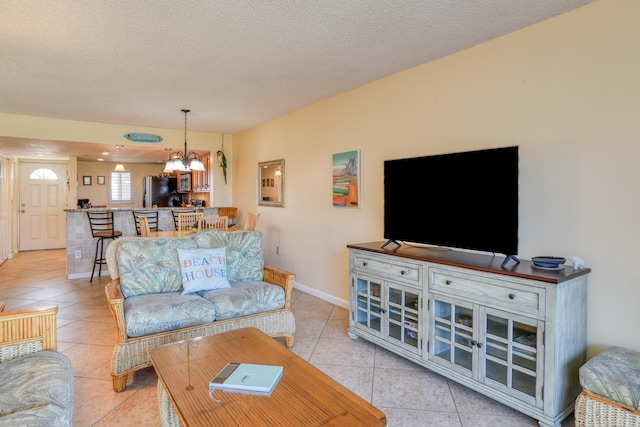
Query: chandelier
x=179, y=160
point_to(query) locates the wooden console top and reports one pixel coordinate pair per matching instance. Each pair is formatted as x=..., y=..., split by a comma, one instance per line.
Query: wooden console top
x=473, y=261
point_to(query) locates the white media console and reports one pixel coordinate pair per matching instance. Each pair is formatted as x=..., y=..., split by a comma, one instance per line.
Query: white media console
x=515, y=333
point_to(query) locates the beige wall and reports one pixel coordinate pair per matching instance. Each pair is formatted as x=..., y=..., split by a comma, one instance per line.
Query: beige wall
x=29, y=127
x=565, y=90
x=99, y=194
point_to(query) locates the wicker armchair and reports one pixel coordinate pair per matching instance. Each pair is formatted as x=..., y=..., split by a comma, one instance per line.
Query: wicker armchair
x=611, y=390
x=36, y=386
x=27, y=331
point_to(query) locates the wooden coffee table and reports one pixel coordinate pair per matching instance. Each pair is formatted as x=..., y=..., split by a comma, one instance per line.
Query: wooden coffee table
x=304, y=396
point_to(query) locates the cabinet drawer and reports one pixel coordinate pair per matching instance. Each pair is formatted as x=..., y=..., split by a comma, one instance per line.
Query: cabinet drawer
x=515, y=297
x=395, y=270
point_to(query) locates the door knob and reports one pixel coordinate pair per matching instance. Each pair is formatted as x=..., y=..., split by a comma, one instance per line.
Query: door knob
x=22, y=210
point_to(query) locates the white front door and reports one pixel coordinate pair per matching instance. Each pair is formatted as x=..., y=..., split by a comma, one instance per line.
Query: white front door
x=5, y=235
x=43, y=195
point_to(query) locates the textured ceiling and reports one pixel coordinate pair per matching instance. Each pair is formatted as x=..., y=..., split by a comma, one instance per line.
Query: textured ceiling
x=235, y=64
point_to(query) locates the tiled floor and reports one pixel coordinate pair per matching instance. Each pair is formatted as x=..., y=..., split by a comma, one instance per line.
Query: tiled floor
x=408, y=394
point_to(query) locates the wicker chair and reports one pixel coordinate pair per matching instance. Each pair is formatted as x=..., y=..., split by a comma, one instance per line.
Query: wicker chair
x=250, y=221
x=611, y=390
x=187, y=222
x=213, y=223
x=25, y=335
x=176, y=213
x=145, y=230
x=231, y=213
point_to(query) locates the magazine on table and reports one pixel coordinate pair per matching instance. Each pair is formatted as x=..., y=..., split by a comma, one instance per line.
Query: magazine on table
x=247, y=376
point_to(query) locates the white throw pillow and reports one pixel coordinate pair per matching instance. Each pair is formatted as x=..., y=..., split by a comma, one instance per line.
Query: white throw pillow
x=203, y=269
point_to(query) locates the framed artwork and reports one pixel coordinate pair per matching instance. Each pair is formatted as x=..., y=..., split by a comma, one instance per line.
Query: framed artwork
x=346, y=179
x=100, y=180
x=86, y=180
x=271, y=182
x=263, y=183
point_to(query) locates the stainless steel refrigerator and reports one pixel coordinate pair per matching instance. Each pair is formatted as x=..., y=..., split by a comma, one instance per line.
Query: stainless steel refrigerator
x=162, y=192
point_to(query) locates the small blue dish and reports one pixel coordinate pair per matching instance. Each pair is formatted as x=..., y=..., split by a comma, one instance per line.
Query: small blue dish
x=548, y=261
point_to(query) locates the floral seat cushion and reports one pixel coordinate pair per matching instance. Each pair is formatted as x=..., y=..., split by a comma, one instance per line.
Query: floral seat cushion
x=36, y=390
x=245, y=298
x=615, y=375
x=161, y=312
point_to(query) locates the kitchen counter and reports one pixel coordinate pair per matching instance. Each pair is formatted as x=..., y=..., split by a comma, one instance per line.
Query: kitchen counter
x=114, y=209
x=81, y=246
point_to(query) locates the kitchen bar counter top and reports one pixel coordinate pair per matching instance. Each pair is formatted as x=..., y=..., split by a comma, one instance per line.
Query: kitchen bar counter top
x=105, y=208
x=81, y=246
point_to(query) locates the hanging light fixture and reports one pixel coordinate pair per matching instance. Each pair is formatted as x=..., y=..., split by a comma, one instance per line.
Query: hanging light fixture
x=179, y=161
x=119, y=167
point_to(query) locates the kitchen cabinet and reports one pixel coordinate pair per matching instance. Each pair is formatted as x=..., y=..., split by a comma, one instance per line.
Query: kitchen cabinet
x=184, y=182
x=200, y=180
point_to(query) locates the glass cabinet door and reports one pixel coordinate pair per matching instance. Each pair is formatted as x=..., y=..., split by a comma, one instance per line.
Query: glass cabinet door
x=512, y=356
x=452, y=334
x=368, y=310
x=403, y=326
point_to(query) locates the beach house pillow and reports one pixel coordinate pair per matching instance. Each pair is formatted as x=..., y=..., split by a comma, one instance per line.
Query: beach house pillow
x=203, y=269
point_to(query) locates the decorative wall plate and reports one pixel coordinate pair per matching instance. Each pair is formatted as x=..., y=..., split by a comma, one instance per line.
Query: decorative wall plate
x=143, y=137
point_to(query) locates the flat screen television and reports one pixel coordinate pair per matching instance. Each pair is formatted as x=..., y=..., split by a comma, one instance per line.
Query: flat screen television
x=466, y=200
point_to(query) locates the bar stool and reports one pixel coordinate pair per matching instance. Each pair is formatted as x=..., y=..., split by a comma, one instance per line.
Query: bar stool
x=101, y=223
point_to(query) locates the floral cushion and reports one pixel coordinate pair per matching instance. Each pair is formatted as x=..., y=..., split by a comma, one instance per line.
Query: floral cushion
x=245, y=259
x=36, y=390
x=615, y=375
x=152, y=313
x=245, y=298
x=147, y=266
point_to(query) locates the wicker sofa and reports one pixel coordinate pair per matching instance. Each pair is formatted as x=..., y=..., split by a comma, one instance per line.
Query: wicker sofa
x=36, y=381
x=151, y=307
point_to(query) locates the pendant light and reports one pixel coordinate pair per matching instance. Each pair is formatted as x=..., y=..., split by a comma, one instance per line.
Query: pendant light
x=119, y=167
x=179, y=160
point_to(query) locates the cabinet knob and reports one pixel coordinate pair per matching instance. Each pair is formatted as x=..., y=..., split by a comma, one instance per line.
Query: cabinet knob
x=364, y=263
x=512, y=296
x=403, y=272
x=476, y=343
x=447, y=282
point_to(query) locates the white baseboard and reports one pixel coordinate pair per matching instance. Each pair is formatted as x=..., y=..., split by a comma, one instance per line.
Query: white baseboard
x=323, y=296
